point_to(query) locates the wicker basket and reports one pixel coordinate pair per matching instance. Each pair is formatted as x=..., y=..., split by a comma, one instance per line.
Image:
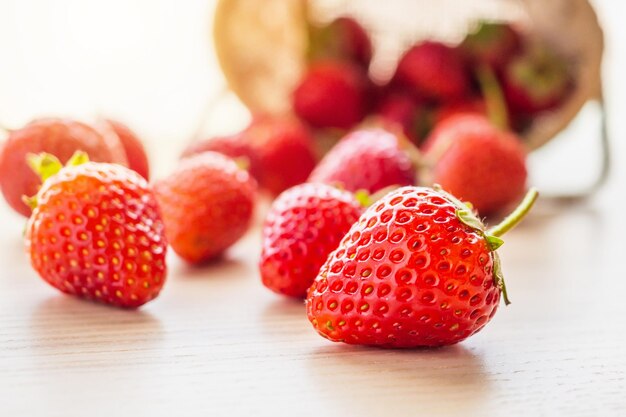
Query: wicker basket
x=261, y=44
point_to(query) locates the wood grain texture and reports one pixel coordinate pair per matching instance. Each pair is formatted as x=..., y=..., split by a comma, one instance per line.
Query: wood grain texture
x=217, y=343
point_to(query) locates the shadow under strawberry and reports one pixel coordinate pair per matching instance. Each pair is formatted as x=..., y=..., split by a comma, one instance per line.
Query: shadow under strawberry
x=74, y=331
x=451, y=380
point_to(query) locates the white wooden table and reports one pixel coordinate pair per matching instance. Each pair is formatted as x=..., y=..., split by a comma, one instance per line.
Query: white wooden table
x=217, y=343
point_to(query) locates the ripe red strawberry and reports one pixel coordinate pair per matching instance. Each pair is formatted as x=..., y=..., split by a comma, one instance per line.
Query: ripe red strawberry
x=96, y=232
x=135, y=151
x=475, y=106
x=417, y=269
x=304, y=224
x=400, y=111
x=342, y=39
x=236, y=146
x=285, y=150
x=61, y=137
x=535, y=81
x=368, y=159
x=332, y=94
x=477, y=162
x=207, y=205
x=434, y=71
x=492, y=44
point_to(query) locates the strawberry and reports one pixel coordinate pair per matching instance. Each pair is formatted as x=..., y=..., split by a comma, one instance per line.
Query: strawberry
x=61, y=137
x=135, y=151
x=332, y=94
x=342, y=39
x=477, y=162
x=400, y=111
x=535, y=81
x=469, y=106
x=434, y=71
x=285, y=151
x=492, y=44
x=368, y=159
x=417, y=269
x=207, y=205
x=96, y=232
x=235, y=146
x=304, y=224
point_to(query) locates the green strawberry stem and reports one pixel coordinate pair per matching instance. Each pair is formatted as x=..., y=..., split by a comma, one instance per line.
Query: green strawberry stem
x=46, y=165
x=494, y=98
x=516, y=216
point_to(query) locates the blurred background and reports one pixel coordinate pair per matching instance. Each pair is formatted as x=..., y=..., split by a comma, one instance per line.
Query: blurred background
x=152, y=65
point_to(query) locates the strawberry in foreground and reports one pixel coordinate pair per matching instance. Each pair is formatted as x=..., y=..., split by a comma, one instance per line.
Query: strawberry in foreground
x=417, y=269
x=207, y=205
x=332, y=94
x=96, y=232
x=342, y=39
x=434, y=71
x=60, y=137
x=135, y=151
x=477, y=162
x=368, y=159
x=304, y=224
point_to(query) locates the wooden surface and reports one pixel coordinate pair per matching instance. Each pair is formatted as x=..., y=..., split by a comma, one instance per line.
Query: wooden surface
x=217, y=343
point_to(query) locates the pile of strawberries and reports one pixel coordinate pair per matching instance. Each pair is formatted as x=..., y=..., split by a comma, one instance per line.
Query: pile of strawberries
x=497, y=71
x=381, y=254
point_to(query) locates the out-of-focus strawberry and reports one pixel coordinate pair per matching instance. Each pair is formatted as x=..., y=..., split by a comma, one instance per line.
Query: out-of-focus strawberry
x=368, y=159
x=492, y=44
x=477, y=162
x=207, y=205
x=133, y=146
x=59, y=137
x=401, y=111
x=536, y=80
x=332, y=94
x=342, y=39
x=236, y=146
x=434, y=71
x=285, y=151
x=471, y=106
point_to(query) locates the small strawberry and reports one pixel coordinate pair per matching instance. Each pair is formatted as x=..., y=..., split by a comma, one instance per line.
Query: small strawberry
x=135, y=151
x=285, y=151
x=237, y=147
x=477, y=162
x=492, y=44
x=368, y=159
x=96, y=232
x=207, y=205
x=434, y=71
x=332, y=94
x=304, y=224
x=400, y=111
x=342, y=39
x=60, y=137
x=475, y=106
x=535, y=81
x=417, y=269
